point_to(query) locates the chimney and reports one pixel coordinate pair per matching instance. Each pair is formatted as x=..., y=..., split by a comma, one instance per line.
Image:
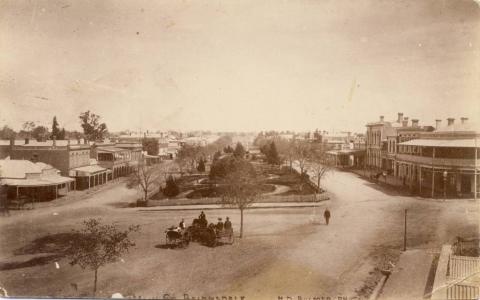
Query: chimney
x=381, y=118
x=405, y=122
x=85, y=141
x=400, y=117
x=415, y=122
x=438, y=123
x=27, y=141
x=451, y=121
x=464, y=120
x=54, y=141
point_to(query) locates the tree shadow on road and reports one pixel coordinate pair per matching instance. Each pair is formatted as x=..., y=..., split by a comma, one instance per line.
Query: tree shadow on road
x=48, y=249
x=36, y=261
x=169, y=246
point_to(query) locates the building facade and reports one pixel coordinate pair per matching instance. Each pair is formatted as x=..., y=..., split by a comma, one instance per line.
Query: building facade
x=443, y=162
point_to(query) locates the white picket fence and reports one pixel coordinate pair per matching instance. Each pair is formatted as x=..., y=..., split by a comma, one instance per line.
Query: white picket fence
x=462, y=292
x=463, y=266
x=460, y=268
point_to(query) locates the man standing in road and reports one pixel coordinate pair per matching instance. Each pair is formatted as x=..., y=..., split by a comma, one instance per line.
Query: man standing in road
x=326, y=215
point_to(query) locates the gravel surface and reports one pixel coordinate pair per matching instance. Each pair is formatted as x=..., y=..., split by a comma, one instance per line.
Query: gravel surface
x=285, y=251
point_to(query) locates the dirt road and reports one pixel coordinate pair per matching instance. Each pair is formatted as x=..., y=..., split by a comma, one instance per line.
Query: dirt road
x=286, y=252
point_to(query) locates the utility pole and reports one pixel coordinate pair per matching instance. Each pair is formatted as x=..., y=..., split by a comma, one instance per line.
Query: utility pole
x=475, y=172
x=405, y=232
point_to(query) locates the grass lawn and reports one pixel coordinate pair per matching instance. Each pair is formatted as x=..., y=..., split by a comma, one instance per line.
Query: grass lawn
x=207, y=193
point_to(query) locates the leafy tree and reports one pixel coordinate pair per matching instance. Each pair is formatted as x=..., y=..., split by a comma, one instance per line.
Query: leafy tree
x=145, y=178
x=189, y=155
x=201, y=165
x=7, y=133
x=92, y=128
x=62, y=134
x=55, y=129
x=239, y=151
x=28, y=127
x=98, y=245
x=171, y=188
x=222, y=142
x=287, y=150
x=150, y=145
x=272, y=155
x=240, y=190
x=40, y=133
x=228, y=164
x=217, y=156
x=228, y=149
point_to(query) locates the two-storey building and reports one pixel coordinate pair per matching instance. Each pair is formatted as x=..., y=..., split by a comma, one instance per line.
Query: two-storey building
x=120, y=159
x=71, y=158
x=443, y=162
x=377, y=142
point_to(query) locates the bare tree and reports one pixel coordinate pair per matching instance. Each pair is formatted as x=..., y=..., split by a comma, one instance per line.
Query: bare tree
x=319, y=164
x=146, y=178
x=302, y=152
x=97, y=245
x=240, y=189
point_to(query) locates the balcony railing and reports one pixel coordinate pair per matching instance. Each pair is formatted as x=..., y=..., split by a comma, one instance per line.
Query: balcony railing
x=443, y=162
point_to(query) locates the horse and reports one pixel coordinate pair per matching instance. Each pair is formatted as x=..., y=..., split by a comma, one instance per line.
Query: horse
x=177, y=237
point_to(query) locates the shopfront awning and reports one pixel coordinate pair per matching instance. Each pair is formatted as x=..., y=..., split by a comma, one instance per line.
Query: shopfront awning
x=87, y=171
x=38, y=182
x=354, y=152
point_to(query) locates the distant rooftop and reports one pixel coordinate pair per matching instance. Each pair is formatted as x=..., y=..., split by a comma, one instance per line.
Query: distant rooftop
x=469, y=127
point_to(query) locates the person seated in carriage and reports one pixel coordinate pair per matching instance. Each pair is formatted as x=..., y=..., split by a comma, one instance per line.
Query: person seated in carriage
x=182, y=224
x=211, y=228
x=219, y=225
x=202, y=220
x=228, y=224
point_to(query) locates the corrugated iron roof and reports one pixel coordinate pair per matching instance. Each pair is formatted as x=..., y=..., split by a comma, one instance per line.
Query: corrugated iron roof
x=18, y=168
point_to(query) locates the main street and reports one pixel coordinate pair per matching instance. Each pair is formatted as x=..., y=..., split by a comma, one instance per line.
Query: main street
x=286, y=251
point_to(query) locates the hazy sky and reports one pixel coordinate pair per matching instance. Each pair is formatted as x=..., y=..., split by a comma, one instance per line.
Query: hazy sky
x=238, y=65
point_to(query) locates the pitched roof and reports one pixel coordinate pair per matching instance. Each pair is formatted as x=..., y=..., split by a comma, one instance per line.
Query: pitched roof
x=18, y=168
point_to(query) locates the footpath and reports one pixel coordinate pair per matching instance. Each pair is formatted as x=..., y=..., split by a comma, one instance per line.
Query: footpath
x=409, y=277
x=218, y=206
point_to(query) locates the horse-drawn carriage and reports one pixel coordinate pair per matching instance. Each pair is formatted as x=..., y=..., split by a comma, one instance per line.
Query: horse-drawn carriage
x=211, y=236
x=199, y=232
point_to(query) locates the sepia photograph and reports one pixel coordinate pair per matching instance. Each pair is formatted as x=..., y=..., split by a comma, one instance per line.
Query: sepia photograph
x=238, y=150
